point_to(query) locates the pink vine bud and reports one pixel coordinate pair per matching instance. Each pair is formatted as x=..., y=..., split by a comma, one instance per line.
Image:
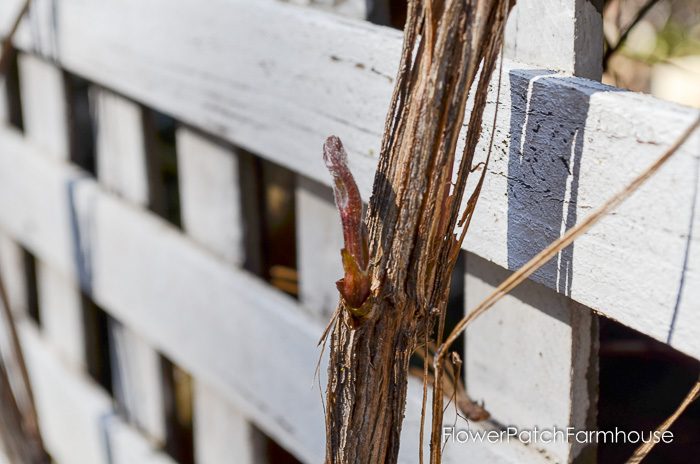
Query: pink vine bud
x=354, y=286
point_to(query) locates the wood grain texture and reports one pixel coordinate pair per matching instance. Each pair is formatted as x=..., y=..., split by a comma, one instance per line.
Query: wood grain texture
x=143, y=271
x=563, y=144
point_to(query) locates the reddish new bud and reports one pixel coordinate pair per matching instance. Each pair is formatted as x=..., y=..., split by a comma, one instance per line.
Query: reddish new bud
x=354, y=287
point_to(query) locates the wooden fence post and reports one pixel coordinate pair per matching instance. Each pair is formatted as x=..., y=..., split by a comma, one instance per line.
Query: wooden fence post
x=533, y=358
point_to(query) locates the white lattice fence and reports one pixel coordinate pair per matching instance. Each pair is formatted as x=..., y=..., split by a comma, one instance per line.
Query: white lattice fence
x=242, y=81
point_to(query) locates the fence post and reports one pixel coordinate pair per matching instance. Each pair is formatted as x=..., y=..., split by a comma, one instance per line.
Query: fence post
x=211, y=208
x=533, y=358
x=561, y=35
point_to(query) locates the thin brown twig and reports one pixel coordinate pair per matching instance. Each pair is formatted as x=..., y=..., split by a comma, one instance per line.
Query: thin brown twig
x=646, y=447
x=30, y=419
x=623, y=37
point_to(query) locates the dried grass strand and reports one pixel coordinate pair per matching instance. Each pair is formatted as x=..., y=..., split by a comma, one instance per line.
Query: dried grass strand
x=646, y=448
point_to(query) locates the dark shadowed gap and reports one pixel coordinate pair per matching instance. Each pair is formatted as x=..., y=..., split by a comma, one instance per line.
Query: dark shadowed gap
x=164, y=189
x=81, y=127
x=31, y=288
x=269, y=209
x=178, y=407
x=456, y=302
x=642, y=382
x=12, y=95
x=97, y=345
x=272, y=452
x=387, y=12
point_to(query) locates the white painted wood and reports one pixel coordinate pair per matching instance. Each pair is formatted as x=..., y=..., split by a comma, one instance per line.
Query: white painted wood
x=221, y=311
x=13, y=274
x=563, y=35
x=222, y=434
x=122, y=168
x=210, y=198
x=61, y=314
x=75, y=415
x=351, y=8
x=44, y=105
x=120, y=146
x=136, y=381
x=529, y=358
x=249, y=98
x=319, y=241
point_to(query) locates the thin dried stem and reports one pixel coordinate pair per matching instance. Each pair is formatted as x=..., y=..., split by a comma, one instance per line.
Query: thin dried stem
x=646, y=447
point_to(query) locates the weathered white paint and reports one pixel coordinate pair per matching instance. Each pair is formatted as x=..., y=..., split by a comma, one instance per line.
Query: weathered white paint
x=122, y=168
x=76, y=418
x=44, y=104
x=268, y=95
x=137, y=381
x=221, y=433
x=144, y=271
x=563, y=35
x=62, y=314
x=210, y=198
x=120, y=146
x=319, y=241
x=529, y=357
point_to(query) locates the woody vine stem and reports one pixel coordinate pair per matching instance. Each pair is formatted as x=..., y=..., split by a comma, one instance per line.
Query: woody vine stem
x=399, y=256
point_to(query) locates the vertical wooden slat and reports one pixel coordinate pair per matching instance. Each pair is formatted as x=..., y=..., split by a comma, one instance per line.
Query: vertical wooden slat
x=121, y=148
x=319, y=241
x=44, y=103
x=136, y=381
x=13, y=274
x=62, y=315
x=122, y=168
x=210, y=196
x=212, y=215
x=529, y=357
x=222, y=434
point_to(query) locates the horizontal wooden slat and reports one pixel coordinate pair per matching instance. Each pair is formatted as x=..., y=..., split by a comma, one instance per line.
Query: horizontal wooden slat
x=250, y=342
x=276, y=79
x=77, y=421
